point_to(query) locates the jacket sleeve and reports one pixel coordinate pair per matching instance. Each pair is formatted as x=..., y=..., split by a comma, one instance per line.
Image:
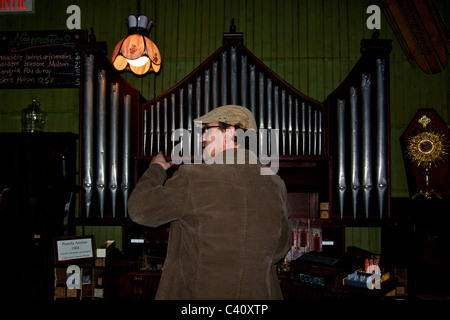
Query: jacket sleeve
x=285, y=240
x=153, y=202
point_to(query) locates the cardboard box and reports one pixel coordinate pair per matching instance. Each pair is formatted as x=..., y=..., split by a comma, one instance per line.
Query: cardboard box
x=99, y=293
x=60, y=292
x=105, y=249
x=72, y=293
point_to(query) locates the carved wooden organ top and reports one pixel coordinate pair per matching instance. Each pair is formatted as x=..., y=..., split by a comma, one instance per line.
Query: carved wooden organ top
x=337, y=149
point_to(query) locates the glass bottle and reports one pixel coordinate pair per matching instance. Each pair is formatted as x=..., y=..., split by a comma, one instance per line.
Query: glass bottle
x=33, y=119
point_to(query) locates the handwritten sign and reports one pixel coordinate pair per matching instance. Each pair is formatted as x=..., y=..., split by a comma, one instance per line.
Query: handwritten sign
x=41, y=59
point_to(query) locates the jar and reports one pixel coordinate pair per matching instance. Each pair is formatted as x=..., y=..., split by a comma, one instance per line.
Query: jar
x=33, y=119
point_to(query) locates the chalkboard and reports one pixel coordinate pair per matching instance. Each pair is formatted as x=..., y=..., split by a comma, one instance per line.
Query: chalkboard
x=41, y=59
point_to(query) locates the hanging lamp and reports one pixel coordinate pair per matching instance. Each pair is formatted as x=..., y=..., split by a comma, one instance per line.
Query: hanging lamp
x=136, y=52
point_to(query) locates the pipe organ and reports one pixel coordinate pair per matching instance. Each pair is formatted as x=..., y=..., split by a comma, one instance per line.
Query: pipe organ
x=338, y=148
x=289, y=123
x=359, y=138
x=108, y=129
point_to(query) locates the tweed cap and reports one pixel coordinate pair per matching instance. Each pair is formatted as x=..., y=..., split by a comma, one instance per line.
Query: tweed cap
x=230, y=114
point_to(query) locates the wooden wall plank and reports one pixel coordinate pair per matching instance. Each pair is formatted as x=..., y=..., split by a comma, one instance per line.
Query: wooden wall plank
x=366, y=238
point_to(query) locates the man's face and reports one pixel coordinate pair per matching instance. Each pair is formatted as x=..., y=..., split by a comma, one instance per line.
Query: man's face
x=213, y=140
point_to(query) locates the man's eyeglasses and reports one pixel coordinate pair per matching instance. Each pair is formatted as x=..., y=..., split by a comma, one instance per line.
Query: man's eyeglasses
x=206, y=128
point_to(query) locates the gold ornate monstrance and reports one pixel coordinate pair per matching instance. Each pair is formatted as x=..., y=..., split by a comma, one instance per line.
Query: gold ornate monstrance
x=427, y=148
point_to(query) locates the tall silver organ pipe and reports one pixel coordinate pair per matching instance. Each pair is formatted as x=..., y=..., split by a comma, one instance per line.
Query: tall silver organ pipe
x=341, y=151
x=125, y=185
x=290, y=126
x=144, y=129
x=87, y=133
x=303, y=119
x=354, y=149
x=166, y=126
x=366, y=134
x=113, y=145
x=101, y=139
x=269, y=107
x=381, y=136
x=208, y=100
x=158, y=126
x=284, y=133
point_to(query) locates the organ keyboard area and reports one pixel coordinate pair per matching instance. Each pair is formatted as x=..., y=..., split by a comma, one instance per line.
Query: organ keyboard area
x=325, y=276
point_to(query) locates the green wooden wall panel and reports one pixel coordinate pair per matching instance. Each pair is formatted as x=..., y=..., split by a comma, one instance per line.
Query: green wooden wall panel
x=313, y=44
x=366, y=238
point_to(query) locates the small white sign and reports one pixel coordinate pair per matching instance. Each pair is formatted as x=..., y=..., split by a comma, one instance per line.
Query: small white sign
x=73, y=249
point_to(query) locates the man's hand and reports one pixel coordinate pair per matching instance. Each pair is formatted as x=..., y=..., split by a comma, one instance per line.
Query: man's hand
x=159, y=159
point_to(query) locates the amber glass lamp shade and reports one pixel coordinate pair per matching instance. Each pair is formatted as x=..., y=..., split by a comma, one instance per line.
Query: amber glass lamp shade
x=137, y=52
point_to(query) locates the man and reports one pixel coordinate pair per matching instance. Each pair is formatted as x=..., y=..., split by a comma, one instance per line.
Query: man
x=229, y=223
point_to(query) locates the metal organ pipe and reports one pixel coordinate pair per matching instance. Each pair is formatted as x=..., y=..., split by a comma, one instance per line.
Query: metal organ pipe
x=253, y=90
x=224, y=87
x=125, y=185
x=113, y=145
x=234, y=76
x=341, y=155
x=152, y=130
x=189, y=118
x=303, y=119
x=244, y=82
x=158, y=126
x=101, y=139
x=381, y=138
x=320, y=133
x=87, y=132
x=198, y=97
x=144, y=129
x=207, y=84
x=290, y=127
x=314, y=131
x=309, y=130
x=198, y=113
x=262, y=132
x=181, y=125
x=166, y=124
x=172, y=112
x=268, y=142
x=215, y=85
x=354, y=149
x=283, y=122
x=276, y=120
x=366, y=156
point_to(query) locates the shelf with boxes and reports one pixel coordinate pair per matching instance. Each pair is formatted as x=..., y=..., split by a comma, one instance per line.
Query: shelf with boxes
x=87, y=280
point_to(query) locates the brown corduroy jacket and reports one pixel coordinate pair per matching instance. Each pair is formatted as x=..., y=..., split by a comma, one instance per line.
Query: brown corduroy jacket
x=228, y=227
